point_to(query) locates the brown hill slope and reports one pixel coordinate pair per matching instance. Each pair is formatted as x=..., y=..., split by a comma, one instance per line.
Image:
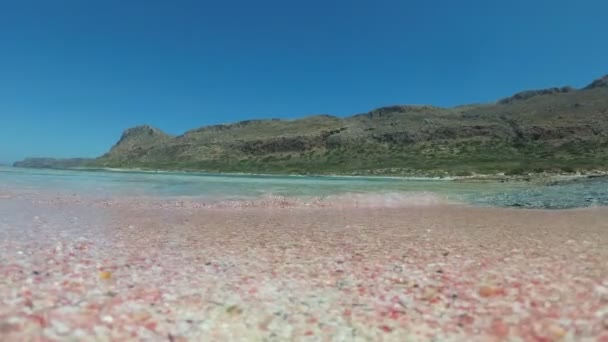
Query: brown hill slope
x=552, y=129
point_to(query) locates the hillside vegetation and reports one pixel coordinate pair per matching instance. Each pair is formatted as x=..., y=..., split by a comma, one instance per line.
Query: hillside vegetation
x=53, y=163
x=556, y=130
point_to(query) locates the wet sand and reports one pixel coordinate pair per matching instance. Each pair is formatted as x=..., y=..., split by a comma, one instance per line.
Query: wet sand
x=78, y=269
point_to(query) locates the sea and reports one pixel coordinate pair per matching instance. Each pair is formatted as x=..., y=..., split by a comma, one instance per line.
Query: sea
x=328, y=190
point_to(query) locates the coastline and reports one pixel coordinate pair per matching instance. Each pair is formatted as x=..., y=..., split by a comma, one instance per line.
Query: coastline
x=533, y=192
x=544, y=176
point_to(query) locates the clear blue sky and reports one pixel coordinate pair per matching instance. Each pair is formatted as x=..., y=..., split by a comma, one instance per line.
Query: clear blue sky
x=75, y=74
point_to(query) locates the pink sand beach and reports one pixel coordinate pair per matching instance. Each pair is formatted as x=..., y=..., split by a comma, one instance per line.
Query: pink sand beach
x=77, y=269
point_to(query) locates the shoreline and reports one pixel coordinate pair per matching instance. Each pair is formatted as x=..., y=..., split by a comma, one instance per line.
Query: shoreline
x=545, y=176
x=267, y=202
x=271, y=203
x=550, y=192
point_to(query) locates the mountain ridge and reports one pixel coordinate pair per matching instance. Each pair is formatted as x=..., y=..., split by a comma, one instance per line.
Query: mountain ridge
x=560, y=129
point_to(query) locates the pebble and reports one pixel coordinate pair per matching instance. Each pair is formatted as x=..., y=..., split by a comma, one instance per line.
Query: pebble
x=107, y=319
x=557, y=331
x=105, y=275
x=60, y=327
x=602, y=292
x=491, y=291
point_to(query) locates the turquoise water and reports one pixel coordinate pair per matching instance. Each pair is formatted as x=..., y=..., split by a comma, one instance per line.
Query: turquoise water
x=235, y=187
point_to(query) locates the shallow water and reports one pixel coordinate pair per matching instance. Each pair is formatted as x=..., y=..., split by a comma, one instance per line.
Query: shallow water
x=578, y=193
x=370, y=191
x=234, y=187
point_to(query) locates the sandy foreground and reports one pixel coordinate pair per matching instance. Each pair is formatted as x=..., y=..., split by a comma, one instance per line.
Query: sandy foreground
x=77, y=269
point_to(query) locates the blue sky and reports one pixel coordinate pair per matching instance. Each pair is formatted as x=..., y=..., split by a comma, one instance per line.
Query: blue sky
x=75, y=74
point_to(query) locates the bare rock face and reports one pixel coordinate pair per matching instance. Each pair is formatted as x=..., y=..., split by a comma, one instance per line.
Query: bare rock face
x=140, y=134
x=600, y=82
x=524, y=95
x=137, y=139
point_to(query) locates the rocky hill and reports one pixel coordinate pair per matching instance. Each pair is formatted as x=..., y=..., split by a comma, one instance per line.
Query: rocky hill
x=556, y=129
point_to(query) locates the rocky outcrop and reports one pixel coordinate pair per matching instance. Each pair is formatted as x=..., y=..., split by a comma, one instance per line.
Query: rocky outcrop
x=600, y=82
x=535, y=133
x=280, y=145
x=135, y=141
x=524, y=95
x=140, y=134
